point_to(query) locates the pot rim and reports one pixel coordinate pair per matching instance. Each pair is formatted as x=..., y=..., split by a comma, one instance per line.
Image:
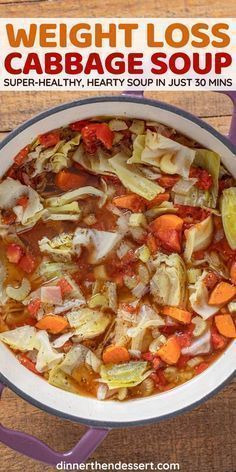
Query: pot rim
x=138, y=100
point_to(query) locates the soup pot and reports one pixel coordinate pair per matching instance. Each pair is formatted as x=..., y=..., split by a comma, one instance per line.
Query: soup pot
x=102, y=416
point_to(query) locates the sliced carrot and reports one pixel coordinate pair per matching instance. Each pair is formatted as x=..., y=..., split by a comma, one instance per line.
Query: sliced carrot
x=115, y=354
x=54, y=324
x=66, y=180
x=65, y=286
x=26, y=362
x=233, y=273
x=23, y=201
x=170, y=351
x=166, y=223
x=222, y=293
x=131, y=202
x=225, y=325
x=162, y=197
x=177, y=313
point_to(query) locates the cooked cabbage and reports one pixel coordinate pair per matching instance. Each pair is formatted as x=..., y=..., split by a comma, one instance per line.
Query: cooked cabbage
x=88, y=323
x=168, y=285
x=22, y=338
x=199, y=299
x=59, y=248
x=60, y=379
x=132, y=179
x=124, y=375
x=170, y=156
x=228, y=209
x=10, y=191
x=60, y=159
x=98, y=165
x=69, y=212
x=137, y=127
x=147, y=318
x=209, y=161
x=198, y=237
x=201, y=345
x=3, y=273
x=117, y=125
x=74, y=195
x=41, y=157
x=47, y=357
x=103, y=242
x=49, y=269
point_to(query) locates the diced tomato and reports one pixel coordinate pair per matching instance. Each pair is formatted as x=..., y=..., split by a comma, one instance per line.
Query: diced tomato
x=184, y=339
x=65, y=287
x=26, y=362
x=14, y=253
x=168, y=330
x=49, y=139
x=20, y=157
x=129, y=257
x=183, y=361
x=97, y=132
x=170, y=240
x=147, y=356
x=8, y=217
x=225, y=182
x=199, y=255
x=196, y=214
x=23, y=201
x=205, y=180
x=168, y=181
x=223, y=248
x=201, y=367
x=156, y=362
x=129, y=308
x=34, y=306
x=218, y=340
x=78, y=125
x=161, y=378
x=211, y=280
x=27, y=263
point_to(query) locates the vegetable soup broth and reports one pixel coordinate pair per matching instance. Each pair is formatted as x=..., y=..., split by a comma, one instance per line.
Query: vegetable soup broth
x=118, y=267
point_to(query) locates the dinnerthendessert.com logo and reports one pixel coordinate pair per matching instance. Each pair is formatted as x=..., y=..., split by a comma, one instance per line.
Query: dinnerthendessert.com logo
x=128, y=466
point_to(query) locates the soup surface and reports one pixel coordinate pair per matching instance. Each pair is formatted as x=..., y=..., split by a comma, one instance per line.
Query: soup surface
x=118, y=258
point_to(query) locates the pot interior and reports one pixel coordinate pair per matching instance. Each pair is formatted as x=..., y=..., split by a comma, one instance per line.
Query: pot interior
x=85, y=409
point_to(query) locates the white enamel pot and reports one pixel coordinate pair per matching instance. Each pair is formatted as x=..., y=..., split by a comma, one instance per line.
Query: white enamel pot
x=102, y=416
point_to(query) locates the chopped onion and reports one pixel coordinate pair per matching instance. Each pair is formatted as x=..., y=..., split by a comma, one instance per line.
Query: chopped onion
x=140, y=290
x=102, y=391
x=183, y=186
x=122, y=249
x=59, y=342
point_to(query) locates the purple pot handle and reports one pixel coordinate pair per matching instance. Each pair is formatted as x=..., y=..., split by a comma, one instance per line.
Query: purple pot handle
x=38, y=450
x=232, y=95
x=232, y=131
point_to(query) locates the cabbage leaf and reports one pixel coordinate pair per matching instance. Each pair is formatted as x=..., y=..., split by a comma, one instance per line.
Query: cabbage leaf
x=228, y=209
x=124, y=375
x=132, y=179
x=164, y=153
x=169, y=283
x=60, y=248
x=88, y=323
x=198, y=237
x=103, y=242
